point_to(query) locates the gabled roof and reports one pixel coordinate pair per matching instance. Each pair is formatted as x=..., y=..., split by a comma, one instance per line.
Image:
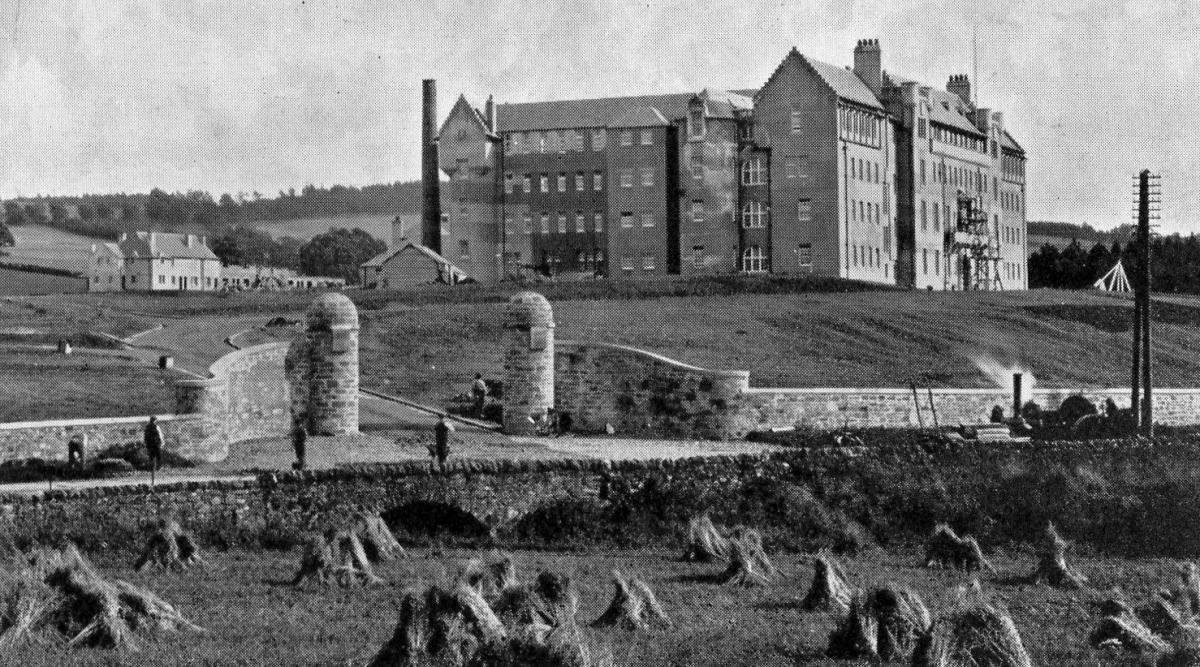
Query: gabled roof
x=464, y=107
x=384, y=257
x=164, y=245
x=640, y=117
x=843, y=82
x=1011, y=144
x=945, y=108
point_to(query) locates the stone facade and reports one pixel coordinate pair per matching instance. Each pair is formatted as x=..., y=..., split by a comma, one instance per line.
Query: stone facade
x=322, y=367
x=183, y=435
x=528, y=361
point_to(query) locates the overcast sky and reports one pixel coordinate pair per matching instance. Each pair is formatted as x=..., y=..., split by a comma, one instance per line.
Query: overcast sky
x=242, y=95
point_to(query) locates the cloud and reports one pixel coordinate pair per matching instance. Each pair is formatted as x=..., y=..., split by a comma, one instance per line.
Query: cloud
x=105, y=95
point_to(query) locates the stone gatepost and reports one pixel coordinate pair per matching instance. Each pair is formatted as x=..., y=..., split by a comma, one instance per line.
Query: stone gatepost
x=330, y=366
x=528, y=361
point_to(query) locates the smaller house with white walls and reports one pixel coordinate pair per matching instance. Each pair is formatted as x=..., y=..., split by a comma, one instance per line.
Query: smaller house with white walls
x=154, y=262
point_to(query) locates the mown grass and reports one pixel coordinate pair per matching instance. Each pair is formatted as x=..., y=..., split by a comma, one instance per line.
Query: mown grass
x=254, y=619
x=44, y=385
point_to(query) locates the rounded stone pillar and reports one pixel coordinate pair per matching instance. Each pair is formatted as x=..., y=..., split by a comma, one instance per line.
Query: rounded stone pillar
x=331, y=340
x=528, y=361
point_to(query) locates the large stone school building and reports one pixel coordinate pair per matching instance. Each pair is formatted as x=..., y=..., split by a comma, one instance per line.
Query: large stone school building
x=850, y=172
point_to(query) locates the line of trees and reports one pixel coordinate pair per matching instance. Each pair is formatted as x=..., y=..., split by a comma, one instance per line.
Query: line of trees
x=1174, y=264
x=106, y=216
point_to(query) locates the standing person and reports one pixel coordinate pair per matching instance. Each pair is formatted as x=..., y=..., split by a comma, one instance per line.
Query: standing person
x=299, y=440
x=479, y=392
x=75, y=450
x=153, y=440
x=441, y=442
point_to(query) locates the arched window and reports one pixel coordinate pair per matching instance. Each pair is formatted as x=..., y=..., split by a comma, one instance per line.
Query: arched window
x=754, y=215
x=753, y=260
x=753, y=172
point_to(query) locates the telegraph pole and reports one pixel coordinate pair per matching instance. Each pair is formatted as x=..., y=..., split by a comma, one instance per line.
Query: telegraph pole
x=1148, y=208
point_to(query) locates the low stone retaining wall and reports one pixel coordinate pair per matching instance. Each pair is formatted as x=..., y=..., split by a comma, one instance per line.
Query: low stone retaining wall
x=247, y=397
x=639, y=392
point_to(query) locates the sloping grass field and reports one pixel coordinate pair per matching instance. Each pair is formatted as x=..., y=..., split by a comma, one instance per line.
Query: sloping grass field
x=428, y=344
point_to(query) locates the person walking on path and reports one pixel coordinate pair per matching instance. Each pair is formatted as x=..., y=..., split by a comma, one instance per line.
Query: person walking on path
x=439, y=451
x=299, y=440
x=479, y=392
x=153, y=440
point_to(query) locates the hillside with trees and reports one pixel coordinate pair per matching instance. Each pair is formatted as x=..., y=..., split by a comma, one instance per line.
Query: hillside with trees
x=228, y=221
x=1174, y=264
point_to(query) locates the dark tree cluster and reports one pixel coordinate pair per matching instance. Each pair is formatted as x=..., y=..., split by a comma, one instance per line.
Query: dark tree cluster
x=1174, y=264
x=338, y=253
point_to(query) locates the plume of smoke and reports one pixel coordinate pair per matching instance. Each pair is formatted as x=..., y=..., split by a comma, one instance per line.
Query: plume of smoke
x=1001, y=372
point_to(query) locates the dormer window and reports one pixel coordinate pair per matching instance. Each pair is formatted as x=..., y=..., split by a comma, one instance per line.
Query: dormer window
x=696, y=122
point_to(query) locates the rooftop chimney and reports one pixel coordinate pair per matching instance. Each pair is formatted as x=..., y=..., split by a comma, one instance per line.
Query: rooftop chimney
x=960, y=85
x=489, y=113
x=868, y=64
x=431, y=206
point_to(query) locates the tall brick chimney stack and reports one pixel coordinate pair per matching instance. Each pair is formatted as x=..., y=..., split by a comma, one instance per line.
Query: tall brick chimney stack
x=868, y=64
x=431, y=206
x=960, y=85
x=489, y=113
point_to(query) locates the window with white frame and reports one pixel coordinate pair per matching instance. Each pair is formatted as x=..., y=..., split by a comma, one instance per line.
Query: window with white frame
x=562, y=182
x=698, y=210
x=698, y=256
x=648, y=263
x=598, y=222
x=626, y=220
x=545, y=183
x=580, y=227
x=789, y=167
x=753, y=172
x=580, y=182
x=527, y=223
x=627, y=178
x=509, y=226
x=626, y=263
x=647, y=219
x=797, y=122
x=562, y=222
x=545, y=223
x=598, y=139
x=647, y=137
x=598, y=181
x=647, y=176
x=528, y=184
x=804, y=255
x=696, y=122
x=626, y=137
x=804, y=211
x=753, y=260
x=754, y=215
x=508, y=182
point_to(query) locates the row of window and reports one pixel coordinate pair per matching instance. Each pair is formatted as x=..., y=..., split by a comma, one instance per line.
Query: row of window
x=561, y=183
x=871, y=258
x=864, y=170
x=857, y=125
x=754, y=260
x=565, y=141
x=1012, y=165
x=544, y=227
x=1011, y=201
x=960, y=139
x=959, y=177
x=1010, y=234
x=865, y=211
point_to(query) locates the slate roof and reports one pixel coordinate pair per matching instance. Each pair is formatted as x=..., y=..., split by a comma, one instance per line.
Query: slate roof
x=845, y=83
x=945, y=108
x=640, y=117
x=382, y=258
x=612, y=111
x=1010, y=143
x=165, y=245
